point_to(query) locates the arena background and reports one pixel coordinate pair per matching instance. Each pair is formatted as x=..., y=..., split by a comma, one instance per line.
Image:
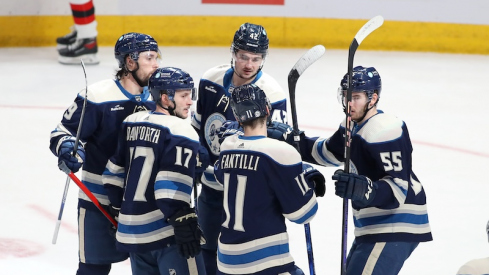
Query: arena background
x=411, y=25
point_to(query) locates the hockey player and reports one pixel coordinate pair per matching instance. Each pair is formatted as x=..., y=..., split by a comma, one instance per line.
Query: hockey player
x=476, y=266
x=150, y=178
x=248, y=54
x=81, y=42
x=389, y=202
x=109, y=102
x=264, y=183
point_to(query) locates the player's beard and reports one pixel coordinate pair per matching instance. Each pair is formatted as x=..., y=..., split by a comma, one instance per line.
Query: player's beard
x=361, y=117
x=144, y=80
x=179, y=114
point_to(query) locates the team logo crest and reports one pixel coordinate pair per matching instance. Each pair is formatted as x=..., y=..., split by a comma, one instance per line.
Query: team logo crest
x=212, y=125
x=139, y=108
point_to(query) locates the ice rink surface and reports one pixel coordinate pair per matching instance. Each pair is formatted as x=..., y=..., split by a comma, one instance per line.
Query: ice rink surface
x=441, y=97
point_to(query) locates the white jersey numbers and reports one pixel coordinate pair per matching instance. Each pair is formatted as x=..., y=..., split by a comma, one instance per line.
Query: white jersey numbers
x=238, y=199
x=391, y=160
x=279, y=115
x=70, y=111
x=180, y=154
x=149, y=158
x=302, y=183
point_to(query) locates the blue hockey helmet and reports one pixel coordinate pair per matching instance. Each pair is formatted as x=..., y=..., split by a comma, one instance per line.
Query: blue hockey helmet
x=168, y=80
x=132, y=44
x=365, y=79
x=249, y=102
x=251, y=38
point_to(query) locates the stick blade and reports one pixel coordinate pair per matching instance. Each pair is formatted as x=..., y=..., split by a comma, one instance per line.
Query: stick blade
x=369, y=27
x=311, y=56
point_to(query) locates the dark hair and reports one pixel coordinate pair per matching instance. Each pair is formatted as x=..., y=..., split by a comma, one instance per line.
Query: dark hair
x=119, y=74
x=255, y=122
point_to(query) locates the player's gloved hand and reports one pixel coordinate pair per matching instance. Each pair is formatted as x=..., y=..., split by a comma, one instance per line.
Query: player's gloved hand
x=229, y=128
x=66, y=160
x=187, y=232
x=314, y=179
x=283, y=132
x=279, y=131
x=358, y=188
x=203, y=160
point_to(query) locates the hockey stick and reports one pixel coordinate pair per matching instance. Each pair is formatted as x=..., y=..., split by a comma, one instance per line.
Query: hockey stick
x=77, y=140
x=368, y=28
x=196, y=183
x=304, y=62
x=92, y=197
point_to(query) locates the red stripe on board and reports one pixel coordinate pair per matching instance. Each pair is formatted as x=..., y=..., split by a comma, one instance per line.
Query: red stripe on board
x=250, y=2
x=84, y=20
x=45, y=213
x=82, y=7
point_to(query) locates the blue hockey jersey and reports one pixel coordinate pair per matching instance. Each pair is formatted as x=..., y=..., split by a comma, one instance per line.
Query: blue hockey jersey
x=213, y=109
x=263, y=184
x=150, y=177
x=108, y=104
x=380, y=150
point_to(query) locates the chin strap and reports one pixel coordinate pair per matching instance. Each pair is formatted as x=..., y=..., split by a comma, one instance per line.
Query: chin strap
x=170, y=110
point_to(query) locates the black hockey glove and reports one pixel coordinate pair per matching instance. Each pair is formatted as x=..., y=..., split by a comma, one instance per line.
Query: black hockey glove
x=187, y=232
x=203, y=160
x=229, y=128
x=280, y=131
x=314, y=179
x=284, y=132
x=358, y=188
x=66, y=160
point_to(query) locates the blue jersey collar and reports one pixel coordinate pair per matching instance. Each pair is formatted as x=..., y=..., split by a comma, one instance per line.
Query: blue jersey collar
x=250, y=137
x=143, y=97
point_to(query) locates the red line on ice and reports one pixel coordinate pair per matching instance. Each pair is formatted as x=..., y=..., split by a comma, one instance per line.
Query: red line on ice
x=49, y=215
